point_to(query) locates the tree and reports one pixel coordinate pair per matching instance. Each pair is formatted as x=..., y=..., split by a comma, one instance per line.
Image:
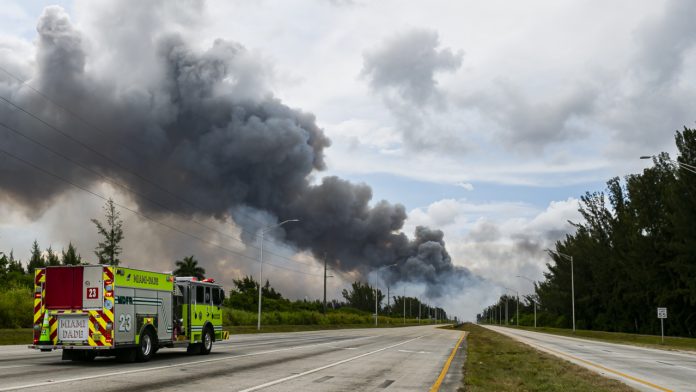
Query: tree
x=107, y=251
x=14, y=265
x=189, y=267
x=71, y=257
x=362, y=296
x=36, y=260
x=52, y=257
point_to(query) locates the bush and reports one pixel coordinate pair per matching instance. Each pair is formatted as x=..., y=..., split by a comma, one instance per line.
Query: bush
x=16, y=308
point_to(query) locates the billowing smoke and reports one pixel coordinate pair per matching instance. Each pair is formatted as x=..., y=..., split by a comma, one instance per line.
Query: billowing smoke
x=204, y=125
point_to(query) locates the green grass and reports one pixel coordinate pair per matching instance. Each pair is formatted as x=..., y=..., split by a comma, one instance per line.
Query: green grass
x=671, y=343
x=497, y=363
x=16, y=336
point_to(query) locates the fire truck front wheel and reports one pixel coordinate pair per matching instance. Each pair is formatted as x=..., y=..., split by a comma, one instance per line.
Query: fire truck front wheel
x=146, y=348
x=207, y=344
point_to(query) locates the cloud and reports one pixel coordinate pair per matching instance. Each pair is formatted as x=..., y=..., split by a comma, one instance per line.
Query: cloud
x=195, y=132
x=406, y=65
x=465, y=185
x=499, y=247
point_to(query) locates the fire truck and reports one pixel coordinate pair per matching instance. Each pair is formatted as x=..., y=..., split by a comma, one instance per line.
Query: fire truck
x=98, y=310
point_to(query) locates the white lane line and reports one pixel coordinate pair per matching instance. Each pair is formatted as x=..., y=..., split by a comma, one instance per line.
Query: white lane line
x=153, y=368
x=413, y=352
x=280, y=380
x=14, y=366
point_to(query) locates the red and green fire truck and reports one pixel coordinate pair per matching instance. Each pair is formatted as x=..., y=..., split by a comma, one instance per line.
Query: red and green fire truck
x=97, y=310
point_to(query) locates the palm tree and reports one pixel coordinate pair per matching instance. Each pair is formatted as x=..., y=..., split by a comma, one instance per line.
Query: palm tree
x=189, y=267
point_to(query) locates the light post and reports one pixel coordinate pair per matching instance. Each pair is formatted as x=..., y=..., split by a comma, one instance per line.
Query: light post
x=404, y=299
x=533, y=300
x=420, y=305
x=572, y=281
x=263, y=231
x=386, y=266
x=517, y=293
x=376, y=306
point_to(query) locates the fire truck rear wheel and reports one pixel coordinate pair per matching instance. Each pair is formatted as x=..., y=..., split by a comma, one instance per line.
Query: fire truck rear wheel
x=146, y=348
x=207, y=344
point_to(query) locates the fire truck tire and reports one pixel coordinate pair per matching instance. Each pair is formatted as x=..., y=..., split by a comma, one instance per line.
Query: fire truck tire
x=146, y=348
x=207, y=344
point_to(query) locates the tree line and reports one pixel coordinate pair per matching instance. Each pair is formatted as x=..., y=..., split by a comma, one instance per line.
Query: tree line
x=633, y=251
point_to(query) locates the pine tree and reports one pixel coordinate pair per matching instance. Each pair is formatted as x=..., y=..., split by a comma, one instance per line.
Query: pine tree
x=107, y=251
x=52, y=257
x=36, y=260
x=71, y=257
x=14, y=265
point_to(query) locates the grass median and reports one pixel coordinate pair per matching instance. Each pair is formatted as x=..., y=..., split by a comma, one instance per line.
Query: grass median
x=498, y=363
x=671, y=343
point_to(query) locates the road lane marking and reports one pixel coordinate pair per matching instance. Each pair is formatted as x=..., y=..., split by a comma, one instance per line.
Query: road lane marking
x=13, y=366
x=443, y=373
x=598, y=366
x=413, y=352
x=154, y=368
x=294, y=376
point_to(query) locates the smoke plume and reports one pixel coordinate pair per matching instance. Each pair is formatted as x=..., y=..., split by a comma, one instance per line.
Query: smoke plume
x=204, y=125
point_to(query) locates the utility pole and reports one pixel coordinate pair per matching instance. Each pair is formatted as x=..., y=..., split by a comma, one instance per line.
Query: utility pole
x=324, y=283
x=404, y=299
x=506, y=310
x=388, y=303
x=420, y=305
x=375, y=306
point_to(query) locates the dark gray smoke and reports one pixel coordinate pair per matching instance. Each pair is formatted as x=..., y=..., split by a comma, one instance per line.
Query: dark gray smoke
x=203, y=125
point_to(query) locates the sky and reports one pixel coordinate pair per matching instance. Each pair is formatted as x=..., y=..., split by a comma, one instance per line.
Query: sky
x=486, y=120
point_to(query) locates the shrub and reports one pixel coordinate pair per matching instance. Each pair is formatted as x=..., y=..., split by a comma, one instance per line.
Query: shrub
x=16, y=308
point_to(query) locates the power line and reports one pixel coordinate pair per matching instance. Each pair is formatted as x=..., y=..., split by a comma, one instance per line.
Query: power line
x=129, y=189
x=208, y=242
x=93, y=126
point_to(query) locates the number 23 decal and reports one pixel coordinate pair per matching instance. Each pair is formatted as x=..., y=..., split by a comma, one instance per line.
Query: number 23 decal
x=124, y=323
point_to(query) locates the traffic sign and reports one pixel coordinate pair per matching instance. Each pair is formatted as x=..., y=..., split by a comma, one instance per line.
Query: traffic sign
x=662, y=313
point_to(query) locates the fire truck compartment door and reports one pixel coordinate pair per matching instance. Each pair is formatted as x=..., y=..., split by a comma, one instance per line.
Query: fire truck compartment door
x=124, y=315
x=92, y=287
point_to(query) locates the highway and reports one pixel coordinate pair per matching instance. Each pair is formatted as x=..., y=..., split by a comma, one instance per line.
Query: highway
x=645, y=369
x=381, y=359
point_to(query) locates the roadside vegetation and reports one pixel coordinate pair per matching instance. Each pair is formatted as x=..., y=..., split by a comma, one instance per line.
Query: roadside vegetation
x=498, y=363
x=634, y=250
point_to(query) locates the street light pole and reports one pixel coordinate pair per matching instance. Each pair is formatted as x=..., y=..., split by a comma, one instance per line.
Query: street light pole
x=263, y=231
x=533, y=300
x=404, y=299
x=376, y=306
x=517, y=293
x=386, y=266
x=572, y=281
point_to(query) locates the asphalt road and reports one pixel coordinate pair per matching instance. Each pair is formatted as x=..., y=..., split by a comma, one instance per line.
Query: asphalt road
x=388, y=359
x=642, y=368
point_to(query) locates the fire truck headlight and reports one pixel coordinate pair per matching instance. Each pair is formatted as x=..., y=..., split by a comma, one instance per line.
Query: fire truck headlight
x=37, y=327
x=108, y=287
x=109, y=326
